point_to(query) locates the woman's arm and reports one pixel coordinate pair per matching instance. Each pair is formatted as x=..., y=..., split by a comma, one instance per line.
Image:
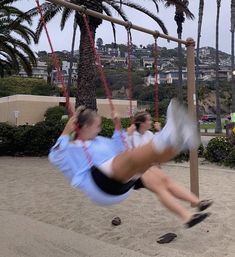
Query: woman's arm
x=70, y=127
x=64, y=138
x=58, y=155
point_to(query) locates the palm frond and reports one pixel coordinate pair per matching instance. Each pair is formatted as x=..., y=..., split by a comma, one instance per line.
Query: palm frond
x=181, y=6
x=117, y=9
x=108, y=12
x=23, y=31
x=147, y=12
x=48, y=16
x=156, y=5
x=65, y=15
x=14, y=51
x=23, y=60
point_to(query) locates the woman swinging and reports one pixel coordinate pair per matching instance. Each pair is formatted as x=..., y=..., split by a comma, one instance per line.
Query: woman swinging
x=154, y=179
x=112, y=172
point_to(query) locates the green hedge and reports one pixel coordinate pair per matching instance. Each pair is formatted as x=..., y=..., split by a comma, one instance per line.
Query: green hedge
x=184, y=156
x=29, y=140
x=36, y=140
x=27, y=86
x=218, y=149
x=221, y=150
x=55, y=113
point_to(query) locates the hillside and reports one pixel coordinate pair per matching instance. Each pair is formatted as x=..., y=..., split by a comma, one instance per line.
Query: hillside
x=118, y=84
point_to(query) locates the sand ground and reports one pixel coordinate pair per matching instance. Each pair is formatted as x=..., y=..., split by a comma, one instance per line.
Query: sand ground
x=41, y=215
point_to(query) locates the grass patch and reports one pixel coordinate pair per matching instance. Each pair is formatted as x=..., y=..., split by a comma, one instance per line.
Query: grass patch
x=210, y=125
x=207, y=125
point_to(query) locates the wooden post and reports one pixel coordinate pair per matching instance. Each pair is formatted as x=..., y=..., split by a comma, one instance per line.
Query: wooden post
x=194, y=178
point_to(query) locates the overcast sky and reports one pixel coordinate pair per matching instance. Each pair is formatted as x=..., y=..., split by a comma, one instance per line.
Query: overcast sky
x=62, y=40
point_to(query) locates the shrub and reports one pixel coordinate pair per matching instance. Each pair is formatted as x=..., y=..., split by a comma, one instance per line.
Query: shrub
x=13, y=85
x=230, y=160
x=29, y=140
x=231, y=139
x=182, y=157
x=6, y=139
x=20, y=139
x=108, y=126
x=41, y=137
x=200, y=150
x=218, y=149
x=125, y=122
x=55, y=113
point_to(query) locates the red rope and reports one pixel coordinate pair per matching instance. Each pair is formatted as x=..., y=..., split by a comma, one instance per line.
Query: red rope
x=60, y=76
x=156, y=79
x=56, y=62
x=129, y=44
x=98, y=62
x=65, y=92
x=104, y=81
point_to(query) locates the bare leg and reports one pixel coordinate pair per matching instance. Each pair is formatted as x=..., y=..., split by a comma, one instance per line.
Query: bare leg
x=154, y=183
x=177, y=190
x=178, y=133
x=182, y=193
x=138, y=160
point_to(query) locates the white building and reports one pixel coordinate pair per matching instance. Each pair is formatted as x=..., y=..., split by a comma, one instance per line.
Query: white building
x=40, y=71
x=148, y=62
x=66, y=66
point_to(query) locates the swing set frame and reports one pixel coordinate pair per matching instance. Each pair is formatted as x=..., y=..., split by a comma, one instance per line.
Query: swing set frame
x=191, y=94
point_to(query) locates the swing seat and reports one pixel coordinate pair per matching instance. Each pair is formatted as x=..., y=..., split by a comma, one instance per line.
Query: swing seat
x=112, y=186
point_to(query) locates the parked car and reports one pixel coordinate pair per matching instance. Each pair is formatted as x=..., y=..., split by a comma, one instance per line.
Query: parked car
x=208, y=118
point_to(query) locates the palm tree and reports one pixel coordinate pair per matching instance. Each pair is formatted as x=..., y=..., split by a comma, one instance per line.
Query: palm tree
x=181, y=9
x=86, y=66
x=72, y=54
x=14, y=51
x=199, y=27
x=218, y=127
x=232, y=52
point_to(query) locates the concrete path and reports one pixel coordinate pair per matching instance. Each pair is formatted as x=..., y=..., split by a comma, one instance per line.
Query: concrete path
x=23, y=237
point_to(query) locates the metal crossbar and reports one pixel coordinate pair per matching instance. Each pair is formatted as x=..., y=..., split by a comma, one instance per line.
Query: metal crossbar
x=114, y=20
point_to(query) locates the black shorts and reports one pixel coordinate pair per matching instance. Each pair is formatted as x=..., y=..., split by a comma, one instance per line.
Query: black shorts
x=138, y=184
x=112, y=186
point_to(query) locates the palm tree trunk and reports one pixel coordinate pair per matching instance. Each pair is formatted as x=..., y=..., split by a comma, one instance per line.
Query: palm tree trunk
x=72, y=55
x=232, y=52
x=218, y=128
x=179, y=19
x=200, y=15
x=86, y=94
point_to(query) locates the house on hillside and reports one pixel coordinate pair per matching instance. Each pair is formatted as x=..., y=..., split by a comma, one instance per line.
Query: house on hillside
x=40, y=71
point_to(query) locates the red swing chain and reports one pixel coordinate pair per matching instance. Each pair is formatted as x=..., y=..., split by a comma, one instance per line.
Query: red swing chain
x=103, y=78
x=60, y=77
x=129, y=44
x=65, y=92
x=56, y=62
x=156, y=78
